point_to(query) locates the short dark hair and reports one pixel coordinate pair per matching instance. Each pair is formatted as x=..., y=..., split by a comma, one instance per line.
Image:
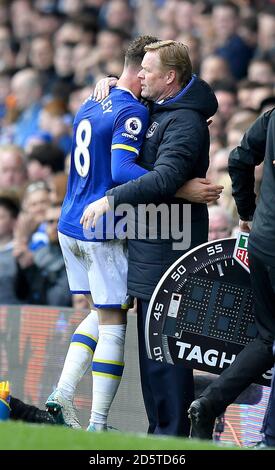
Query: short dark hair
x=246, y=84
x=48, y=155
x=135, y=51
x=10, y=205
x=226, y=85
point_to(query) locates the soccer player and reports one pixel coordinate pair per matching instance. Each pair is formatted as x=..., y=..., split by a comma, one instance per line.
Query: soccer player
x=107, y=139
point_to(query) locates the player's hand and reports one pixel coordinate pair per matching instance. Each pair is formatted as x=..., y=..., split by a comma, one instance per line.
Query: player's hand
x=245, y=225
x=93, y=212
x=199, y=190
x=102, y=88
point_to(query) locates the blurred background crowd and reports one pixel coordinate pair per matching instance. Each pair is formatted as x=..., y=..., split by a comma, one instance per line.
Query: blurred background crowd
x=52, y=52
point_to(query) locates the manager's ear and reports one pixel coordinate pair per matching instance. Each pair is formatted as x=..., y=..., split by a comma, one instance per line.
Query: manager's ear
x=170, y=76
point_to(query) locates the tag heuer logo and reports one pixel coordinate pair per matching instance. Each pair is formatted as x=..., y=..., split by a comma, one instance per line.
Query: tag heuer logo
x=152, y=129
x=240, y=252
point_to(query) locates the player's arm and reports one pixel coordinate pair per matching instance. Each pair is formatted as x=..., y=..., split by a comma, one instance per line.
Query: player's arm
x=177, y=157
x=128, y=134
x=241, y=165
x=129, y=130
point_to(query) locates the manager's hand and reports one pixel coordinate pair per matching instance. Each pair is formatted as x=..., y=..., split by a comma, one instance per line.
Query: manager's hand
x=93, y=212
x=199, y=190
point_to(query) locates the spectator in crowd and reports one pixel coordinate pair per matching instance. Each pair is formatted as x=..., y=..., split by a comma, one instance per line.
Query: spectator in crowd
x=110, y=46
x=77, y=97
x=39, y=138
x=220, y=223
x=4, y=12
x=46, y=22
x=266, y=28
x=57, y=187
x=237, y=125
x=44, y=280
x=229, y=44
x=13, y=173
x=261, y=92
x=41, y=59
x=218, y=172
x=214, y=68
x=81, y=66
x=30, y=233
x=251, y=94
x=245, y=89
x=22, y=17
x=119, y=15
x=4, y=92
x=57, y=122
x=217, y=129
x=70, y=32
x=63, y=64
x=194, y=47
x=185, y=16
x=6, y=50
x=71, y=7
x=218, y=164
x=226, y=94
x=9, y=210
x=248, y=29
x=27, y=90
x=166, y=14
x=43, y=161
x=260, y=71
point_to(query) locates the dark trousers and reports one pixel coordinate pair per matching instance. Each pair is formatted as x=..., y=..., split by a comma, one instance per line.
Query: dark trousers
x=256, y=358
x=269, y=420
x=167, y=390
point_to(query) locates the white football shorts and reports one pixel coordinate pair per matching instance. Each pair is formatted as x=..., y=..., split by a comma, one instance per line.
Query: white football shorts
x=97, y=268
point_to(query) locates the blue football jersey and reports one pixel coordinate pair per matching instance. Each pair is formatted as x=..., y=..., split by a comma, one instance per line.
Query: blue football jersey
x=104, y=133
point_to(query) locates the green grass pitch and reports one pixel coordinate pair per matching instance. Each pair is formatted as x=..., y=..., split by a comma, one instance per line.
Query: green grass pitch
x=22, y=436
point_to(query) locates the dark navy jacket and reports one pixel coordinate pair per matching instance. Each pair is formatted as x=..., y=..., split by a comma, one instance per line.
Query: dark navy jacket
x=176, y=149
x=257, y=145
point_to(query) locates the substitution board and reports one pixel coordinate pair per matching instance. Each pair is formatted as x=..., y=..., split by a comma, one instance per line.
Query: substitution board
x=201, y=312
